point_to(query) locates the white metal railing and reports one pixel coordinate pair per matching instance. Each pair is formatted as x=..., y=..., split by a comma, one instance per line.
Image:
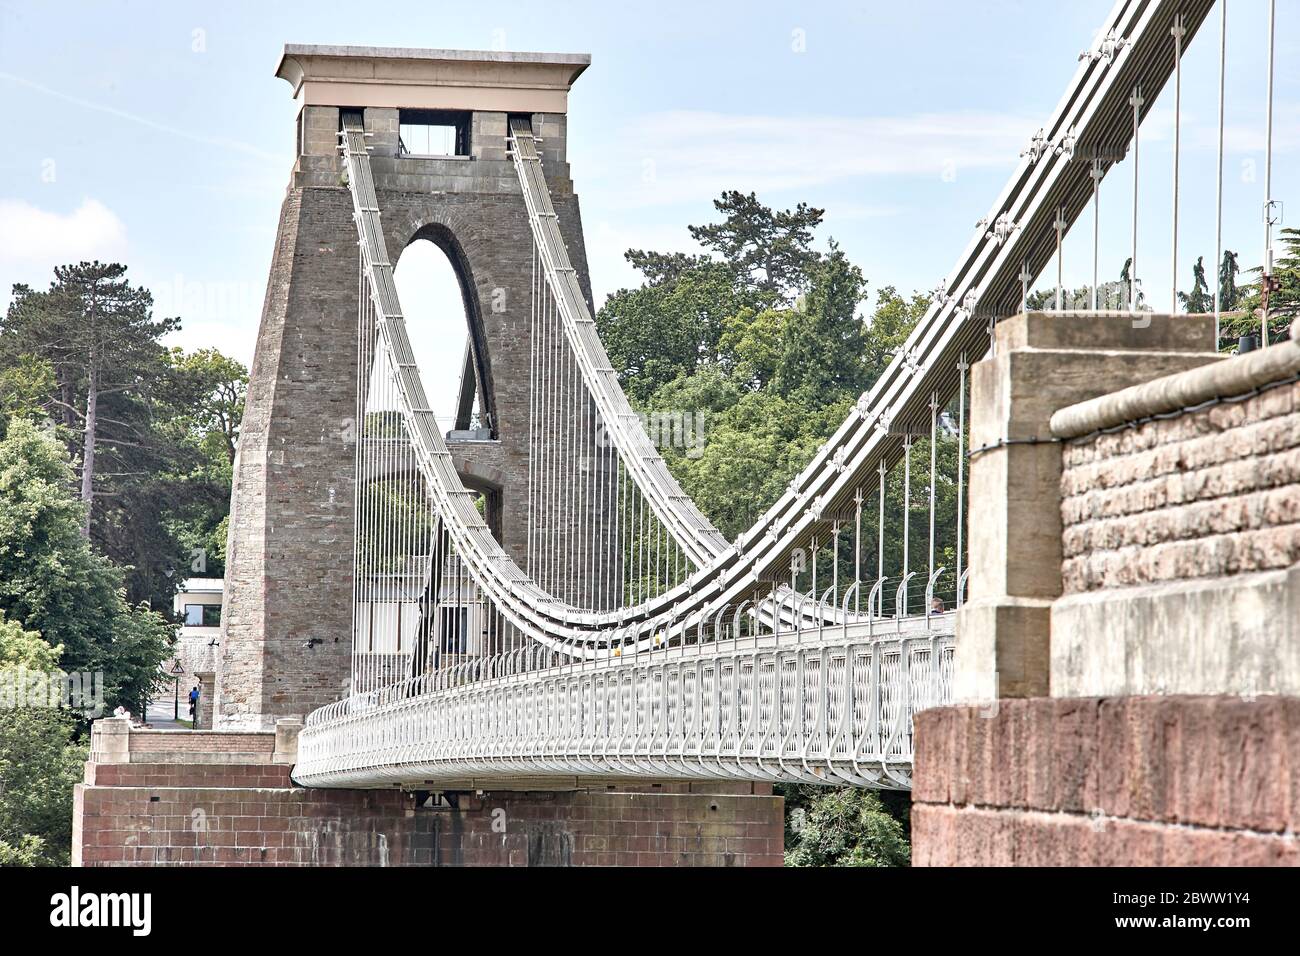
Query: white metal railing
x=831, y=706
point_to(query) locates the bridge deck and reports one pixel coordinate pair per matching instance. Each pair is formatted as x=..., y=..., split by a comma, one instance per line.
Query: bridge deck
x=832, y=705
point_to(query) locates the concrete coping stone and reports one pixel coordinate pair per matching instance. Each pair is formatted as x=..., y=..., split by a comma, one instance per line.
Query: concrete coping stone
x=1107, y=332
x=200, y=756
x=417, y=53
x=1232, y=377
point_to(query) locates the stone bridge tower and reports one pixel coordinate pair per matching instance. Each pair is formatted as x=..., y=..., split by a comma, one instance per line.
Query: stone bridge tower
x=287, y=624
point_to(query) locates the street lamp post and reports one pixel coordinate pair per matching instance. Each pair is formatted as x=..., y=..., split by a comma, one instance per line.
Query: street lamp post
x=177, y=671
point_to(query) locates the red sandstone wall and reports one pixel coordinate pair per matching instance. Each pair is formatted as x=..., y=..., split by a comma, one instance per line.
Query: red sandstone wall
x=1109, y=781
x=249, y=814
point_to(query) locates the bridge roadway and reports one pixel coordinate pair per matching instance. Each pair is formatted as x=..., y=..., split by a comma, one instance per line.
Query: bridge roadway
x=830, y=705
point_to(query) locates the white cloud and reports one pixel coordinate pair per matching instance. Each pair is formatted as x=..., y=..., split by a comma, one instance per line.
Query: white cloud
x=231, y=338
x=665, y=158
x=34, y=240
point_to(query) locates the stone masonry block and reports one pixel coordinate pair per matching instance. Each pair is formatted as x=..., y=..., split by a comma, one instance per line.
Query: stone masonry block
x=1159, y=780
x=1041, y=363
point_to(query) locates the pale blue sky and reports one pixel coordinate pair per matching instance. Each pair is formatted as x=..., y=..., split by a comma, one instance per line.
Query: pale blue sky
x=156, y=133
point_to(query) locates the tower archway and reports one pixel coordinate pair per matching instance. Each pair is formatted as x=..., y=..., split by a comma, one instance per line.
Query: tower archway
x=445, y=325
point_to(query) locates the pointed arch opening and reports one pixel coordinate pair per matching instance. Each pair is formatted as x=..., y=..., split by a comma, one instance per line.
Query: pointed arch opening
x=444, y=323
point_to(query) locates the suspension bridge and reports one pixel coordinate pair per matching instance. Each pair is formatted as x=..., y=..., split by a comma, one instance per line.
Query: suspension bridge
x=532, y=595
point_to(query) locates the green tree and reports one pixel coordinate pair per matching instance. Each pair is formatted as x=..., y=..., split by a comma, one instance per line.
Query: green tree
x=208, y=391
x=891, y=323
x=823, y=348
x=771, y=251
x=97, y=332
x=100, y=335
x=842, y=827
x=1283, y=299
x=28, y=851
x=753, y=449
x=916, y=508
x=1229, y=294
x=667, y=327
x=661, y=268
x=752, y=346
x=166, y=422
x=200, y=409
x=766, y=338
x=1199, y=300
x=53, y=582
x=40, y=758
x=1111, y=296
x=757, y=259
x=25, y=390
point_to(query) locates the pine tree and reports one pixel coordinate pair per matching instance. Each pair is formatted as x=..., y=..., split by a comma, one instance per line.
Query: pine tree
x=1229, y=295
x=771, y=250
x=1199, y=300
x=98, y=332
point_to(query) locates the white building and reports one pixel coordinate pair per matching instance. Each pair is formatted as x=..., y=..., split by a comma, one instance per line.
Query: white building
x=198, y=605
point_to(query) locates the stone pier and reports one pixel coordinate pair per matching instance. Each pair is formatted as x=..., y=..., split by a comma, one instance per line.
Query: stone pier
x=1150, y=624
x=224, y=798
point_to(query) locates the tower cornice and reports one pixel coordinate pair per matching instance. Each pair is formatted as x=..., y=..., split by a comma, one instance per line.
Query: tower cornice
x=409, y=78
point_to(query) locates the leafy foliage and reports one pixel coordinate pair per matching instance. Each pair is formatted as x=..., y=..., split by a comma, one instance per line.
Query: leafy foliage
x=1229, y=294
x=754, y=448
x=771, y=251
x=1240, y=305
x=82, y=368
x=40, y=760
x=841, y=827
x=668, y=327
x=1283, y=299
x=1200, y=299
x=200, y=405
x=766, y=338
x=86, y=355
x=54, y=583
x=25, y=390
